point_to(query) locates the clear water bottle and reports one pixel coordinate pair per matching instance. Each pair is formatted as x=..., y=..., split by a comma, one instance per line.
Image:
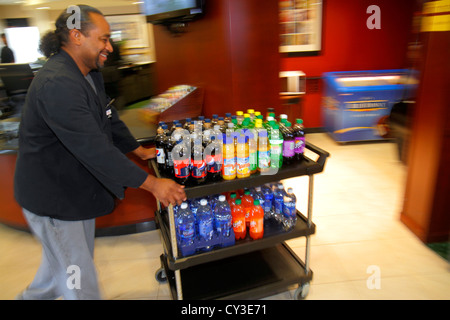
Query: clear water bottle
x=268, y=201
x=278, y=199
x=205, y=220
x=185, y=223
x=289, y=213
x=258, y=195
x=222, y=217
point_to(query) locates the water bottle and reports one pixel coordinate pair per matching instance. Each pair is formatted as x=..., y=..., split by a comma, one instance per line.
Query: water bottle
x=222, y=217
x=278, y=199
x=194, y=205
x=258, y=195
x=288, y=213
x=268, y=201
x=289, y=209
x=185, y=223
x=205, y=220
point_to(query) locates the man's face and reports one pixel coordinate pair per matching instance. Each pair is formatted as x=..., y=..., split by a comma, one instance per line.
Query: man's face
x=96, y=45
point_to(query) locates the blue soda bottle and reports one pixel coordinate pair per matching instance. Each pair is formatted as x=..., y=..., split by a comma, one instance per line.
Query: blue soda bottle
x=185, y=223
x=222, y=217
x=268, y=201
x=205, y=220
x=278, y=199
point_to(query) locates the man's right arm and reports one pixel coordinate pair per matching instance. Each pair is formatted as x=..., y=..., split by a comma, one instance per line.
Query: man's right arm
x=166, y=190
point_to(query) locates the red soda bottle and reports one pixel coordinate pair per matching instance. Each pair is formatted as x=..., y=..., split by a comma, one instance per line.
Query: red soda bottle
x=247, y=204
x=239, y=226
x=256, y=221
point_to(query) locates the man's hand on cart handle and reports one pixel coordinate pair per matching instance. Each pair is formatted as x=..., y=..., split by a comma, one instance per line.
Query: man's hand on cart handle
x=166, y=191
x=145, y=153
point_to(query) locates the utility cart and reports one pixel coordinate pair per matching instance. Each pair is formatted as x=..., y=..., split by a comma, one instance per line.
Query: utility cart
x=249, y=269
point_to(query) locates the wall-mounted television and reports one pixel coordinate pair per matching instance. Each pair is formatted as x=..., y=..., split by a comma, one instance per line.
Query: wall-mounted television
x=171, y=11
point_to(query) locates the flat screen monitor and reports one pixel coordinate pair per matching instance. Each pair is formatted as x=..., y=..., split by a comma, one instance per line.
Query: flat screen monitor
x=163, y=11
x=16, y=77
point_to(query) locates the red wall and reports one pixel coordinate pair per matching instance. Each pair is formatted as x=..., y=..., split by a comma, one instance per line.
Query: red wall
x=233, y=51
x=347, y=44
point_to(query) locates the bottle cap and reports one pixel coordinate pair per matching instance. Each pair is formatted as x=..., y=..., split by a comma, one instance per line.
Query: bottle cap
x=256, y=202
x=238, y=201
x=203, y=202
x=221, y=198
x=233, y=195
x=184, y=205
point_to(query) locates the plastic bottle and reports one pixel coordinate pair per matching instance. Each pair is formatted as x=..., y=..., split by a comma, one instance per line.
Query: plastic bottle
x=205, y=220
x=258, y=195
x=288, y=144
x=213, y=157
x=256, y=229
x=232, y=200
x=185, y=223
x=247, y=204
x=278, y=200
x=289, y=209
x=299, y=134
x=160, y=153
x=194, y=205
x=239, y=225
x=227, y=118
x=276, y=147
x=229, y=159
x=242, y=158
x=222, y=217
x=215, y=118
x=253, y=151
x=198, y=163
x=268, y=201
x=263, y=152
x=170, y=143
x=239, y=117
x=181, y=160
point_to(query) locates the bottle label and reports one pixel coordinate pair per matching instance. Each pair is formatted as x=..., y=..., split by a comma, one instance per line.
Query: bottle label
x=198, y=169
x=186, y=230
x=253, y=161
x=243, y=166
x=205, y=229
x=160, y=156
x=229, y=167
x=263, y=159
x=288, y=148
x=257, y=225
x=289, y=210
x=213, y=163
x=299, y=145
x=181, y=168
x=239, y=225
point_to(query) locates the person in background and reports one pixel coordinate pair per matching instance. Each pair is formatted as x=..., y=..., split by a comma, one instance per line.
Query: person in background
x=7, y=55
x=72, y=162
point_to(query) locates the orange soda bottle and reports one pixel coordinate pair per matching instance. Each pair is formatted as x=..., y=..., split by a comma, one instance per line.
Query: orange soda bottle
x=256, y=221
x=232, y=199
x=247, y=204
x=238, y=215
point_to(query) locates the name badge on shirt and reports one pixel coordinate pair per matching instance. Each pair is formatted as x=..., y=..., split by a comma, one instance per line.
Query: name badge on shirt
x=108, y=109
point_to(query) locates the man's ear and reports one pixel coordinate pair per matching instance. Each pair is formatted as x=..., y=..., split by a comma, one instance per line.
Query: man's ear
x=75, y=36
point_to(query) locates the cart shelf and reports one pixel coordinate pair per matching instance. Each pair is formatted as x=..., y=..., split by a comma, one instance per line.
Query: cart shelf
x=273, y=234
x=245, y=276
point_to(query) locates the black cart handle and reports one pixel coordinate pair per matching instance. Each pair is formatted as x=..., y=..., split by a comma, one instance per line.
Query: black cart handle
x=323, y=155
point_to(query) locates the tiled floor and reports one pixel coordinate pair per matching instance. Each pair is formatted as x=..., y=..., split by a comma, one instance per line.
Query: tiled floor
x=357, y=203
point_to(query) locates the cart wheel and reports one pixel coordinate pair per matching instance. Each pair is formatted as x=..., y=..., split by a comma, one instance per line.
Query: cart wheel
x=302, y=291
x=160, y=275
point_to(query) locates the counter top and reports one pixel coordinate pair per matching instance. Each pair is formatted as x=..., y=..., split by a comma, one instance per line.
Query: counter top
x=142, y=131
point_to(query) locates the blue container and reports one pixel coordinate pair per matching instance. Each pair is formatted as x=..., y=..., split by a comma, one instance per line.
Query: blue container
x=357, y=104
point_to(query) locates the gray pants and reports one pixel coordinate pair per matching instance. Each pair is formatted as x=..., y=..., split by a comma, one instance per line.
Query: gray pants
x=67, y=267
